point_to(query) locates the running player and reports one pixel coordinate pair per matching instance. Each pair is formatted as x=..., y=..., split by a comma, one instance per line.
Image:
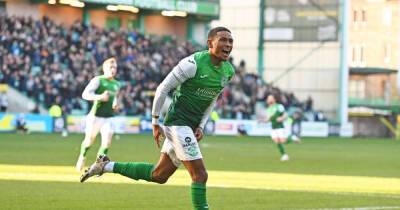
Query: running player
x=276, y=115
x=198, y=80
x=102, y=90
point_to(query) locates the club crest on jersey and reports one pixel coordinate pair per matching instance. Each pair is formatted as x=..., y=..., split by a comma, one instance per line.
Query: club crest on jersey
x=224, y=81
x=188, y=139
x=192, y=151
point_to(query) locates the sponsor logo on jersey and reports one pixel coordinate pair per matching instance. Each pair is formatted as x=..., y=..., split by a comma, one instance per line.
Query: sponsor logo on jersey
x=207, y=92
x=203, y=76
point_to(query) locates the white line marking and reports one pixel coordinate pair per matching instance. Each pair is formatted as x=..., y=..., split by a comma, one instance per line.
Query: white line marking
x=358, y=208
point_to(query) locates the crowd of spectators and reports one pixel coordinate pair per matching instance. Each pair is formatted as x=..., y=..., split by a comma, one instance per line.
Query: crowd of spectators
x=246, y=90
x=44, y=60
x=50, y=62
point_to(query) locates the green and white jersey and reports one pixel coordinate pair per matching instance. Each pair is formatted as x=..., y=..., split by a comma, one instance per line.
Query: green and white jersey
x=198, y=84
x=274, y=111
x=94, y=89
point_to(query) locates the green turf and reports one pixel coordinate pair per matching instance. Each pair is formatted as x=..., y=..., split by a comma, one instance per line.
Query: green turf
x=355, y=157
x=53, y=195
x=331, y=156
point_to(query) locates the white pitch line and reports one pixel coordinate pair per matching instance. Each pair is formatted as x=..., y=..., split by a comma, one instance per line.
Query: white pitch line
x=366, y=194
x=358, y=208
x=359, y=194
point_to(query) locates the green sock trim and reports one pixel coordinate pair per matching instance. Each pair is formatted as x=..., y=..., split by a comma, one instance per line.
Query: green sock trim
x=134, y=170
x=102, y=151
x=84, y=150
x=199, y=198
x=281, y=149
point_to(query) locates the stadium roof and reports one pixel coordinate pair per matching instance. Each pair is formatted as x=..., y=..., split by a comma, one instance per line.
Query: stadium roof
x=376, y=103
x=372, y=70
x=207, y=8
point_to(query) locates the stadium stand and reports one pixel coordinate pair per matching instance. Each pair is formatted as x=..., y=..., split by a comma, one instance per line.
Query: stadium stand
x=49, y=62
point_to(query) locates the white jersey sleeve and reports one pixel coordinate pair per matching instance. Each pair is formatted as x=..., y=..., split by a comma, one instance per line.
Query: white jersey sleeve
x=183, y=71
x=89, y=92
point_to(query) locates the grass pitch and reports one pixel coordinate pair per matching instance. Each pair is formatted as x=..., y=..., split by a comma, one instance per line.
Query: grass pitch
x=36, y=172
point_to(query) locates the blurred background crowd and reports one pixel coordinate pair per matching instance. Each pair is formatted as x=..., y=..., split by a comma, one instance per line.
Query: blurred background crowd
x=52, y=64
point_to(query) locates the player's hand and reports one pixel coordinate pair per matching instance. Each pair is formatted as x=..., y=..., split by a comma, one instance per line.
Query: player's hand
x=105, y=96
x=158, y=134
x=280, y=119
x=198, y=133
x=115, y=108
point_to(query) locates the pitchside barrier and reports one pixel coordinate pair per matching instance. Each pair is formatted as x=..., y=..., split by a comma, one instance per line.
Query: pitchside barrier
x=132, y=125
x=254, y=128
x=121, y=124
x=33, y=122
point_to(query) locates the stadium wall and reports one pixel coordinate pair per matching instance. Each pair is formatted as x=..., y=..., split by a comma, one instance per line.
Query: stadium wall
x=374, y=44
x=244, y=29
x=373, y=86
x=157, y=24
x=61, y=14
x=375, y=27
x=317, y=75
x=22, y=8
x=362, y=127
x=99, y=17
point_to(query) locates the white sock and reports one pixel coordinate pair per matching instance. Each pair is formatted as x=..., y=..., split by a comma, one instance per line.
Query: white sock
x=109, y=167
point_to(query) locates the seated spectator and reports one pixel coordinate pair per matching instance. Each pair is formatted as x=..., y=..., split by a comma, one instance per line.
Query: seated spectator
x=20, y=124
x=3, y=102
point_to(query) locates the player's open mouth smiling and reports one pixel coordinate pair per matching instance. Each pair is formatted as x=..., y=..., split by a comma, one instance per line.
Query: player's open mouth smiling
x=226, y=52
